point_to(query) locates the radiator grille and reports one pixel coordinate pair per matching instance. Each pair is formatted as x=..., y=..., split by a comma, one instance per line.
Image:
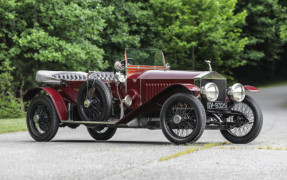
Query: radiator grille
x=221, y=83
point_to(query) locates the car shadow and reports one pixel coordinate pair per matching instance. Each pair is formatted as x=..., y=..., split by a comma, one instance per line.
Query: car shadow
x=112, y=142
x=130, y=142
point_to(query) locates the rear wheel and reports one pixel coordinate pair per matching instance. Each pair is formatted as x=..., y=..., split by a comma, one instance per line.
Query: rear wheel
x=102, y=133
x=42, y=119
x=183, y=118
x=248, y=131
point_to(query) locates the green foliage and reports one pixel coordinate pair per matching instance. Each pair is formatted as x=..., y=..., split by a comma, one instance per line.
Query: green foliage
x=264, y=44
x=10, y=106
x=130, y=25
x=283, y=32
x=261, y=29
x=244, y=38
x=210, y=27
x=39, y=34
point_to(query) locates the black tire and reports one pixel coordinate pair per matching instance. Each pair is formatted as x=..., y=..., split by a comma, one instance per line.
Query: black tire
x=192, y=118
x=100, y=99
x=42, y=119
x=104, y=133
x=249, y=106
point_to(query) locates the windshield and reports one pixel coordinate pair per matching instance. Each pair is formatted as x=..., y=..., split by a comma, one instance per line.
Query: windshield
x=150, y=57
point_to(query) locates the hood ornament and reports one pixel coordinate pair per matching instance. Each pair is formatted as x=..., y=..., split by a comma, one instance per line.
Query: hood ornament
x=209, y=64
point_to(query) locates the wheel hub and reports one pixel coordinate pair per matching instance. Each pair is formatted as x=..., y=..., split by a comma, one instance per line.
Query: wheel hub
x=36, y=118
x=87, y=103
x=177, y=119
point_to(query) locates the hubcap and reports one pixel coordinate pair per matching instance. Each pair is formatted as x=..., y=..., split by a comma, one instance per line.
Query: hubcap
x=177, y=119
x=36, y=118
x=87, y=103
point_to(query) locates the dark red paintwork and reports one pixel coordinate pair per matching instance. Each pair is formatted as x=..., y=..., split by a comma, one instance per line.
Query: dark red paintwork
x=149, y=83
x=56, y=97
x=70, y=93
x=251, y=88
x=145, y=87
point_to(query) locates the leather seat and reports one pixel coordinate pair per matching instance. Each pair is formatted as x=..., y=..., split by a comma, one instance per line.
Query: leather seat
x=109, y=76
x=55, y=77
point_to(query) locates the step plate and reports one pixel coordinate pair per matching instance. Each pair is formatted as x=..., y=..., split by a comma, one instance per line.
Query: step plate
x=89, y=122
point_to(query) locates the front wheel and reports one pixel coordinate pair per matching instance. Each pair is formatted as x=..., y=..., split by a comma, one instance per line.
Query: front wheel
x=42, y=119
x=248, y=131
x=183, y=118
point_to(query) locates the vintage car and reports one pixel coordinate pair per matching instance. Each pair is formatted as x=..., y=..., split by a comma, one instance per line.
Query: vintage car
x=142, y=92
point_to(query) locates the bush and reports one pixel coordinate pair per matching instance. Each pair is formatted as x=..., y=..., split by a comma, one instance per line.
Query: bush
x=10, y=106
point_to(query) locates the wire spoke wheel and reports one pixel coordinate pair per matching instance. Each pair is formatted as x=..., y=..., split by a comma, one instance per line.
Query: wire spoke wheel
x=42, y=118
x=244, y=130
x=102, y=133
x=94, y=101
x=183, y=118
x=246, y=127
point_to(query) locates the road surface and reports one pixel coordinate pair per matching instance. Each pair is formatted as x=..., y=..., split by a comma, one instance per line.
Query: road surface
x=135, y=154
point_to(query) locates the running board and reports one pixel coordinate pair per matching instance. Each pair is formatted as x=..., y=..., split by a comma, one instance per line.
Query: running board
x=89, y=122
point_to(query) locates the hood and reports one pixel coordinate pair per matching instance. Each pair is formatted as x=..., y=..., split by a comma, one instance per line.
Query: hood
x=172, y=74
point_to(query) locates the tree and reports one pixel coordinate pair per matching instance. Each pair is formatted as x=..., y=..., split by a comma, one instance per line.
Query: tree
x=283, y=27
x=55, y=35
x=10, y=106
x=264, y=44
x=283, y=32
x=200, y=30
x=129, y=26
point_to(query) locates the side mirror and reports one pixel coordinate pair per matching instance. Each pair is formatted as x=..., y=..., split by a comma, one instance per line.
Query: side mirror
x=118, y=66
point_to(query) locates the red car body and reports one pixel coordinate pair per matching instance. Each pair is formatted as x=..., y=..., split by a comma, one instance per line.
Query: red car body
x=148, y=86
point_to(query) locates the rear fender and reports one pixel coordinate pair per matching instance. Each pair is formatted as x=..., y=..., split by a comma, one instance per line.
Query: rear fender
x=251, y=88
x=56, y=97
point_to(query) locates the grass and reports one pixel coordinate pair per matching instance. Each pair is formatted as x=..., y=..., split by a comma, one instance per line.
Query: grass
x=12, y=125
x=190, y=150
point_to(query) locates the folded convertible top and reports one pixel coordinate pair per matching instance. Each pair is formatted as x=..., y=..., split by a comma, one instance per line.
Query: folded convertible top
x=55, y=77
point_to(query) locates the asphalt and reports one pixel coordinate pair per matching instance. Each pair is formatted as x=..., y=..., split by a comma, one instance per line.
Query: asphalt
x=135, y=153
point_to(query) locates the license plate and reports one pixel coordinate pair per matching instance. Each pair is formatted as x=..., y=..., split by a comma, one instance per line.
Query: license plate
x=216, y=105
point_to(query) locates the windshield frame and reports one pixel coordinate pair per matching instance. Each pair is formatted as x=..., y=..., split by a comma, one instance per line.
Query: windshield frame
x=143, y=66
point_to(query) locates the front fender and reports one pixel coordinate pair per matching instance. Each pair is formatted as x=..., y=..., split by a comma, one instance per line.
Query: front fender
x=251, y=88
x=191, y=87
x=56, y=97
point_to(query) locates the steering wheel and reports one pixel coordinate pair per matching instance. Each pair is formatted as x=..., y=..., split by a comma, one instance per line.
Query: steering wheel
x=131, y=61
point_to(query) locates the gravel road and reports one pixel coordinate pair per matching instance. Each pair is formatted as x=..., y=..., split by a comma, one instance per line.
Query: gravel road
x=135, y=154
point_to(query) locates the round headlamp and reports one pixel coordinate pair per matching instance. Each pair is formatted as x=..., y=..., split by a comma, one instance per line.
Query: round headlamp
x=128, y=100
x=210, y=91
x=236, y=92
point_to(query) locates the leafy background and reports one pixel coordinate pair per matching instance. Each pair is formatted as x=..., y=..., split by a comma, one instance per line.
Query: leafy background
x=246, y=40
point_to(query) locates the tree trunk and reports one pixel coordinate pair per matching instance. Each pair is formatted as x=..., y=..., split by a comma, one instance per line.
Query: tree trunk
x=193, y=59
x=21, y=96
